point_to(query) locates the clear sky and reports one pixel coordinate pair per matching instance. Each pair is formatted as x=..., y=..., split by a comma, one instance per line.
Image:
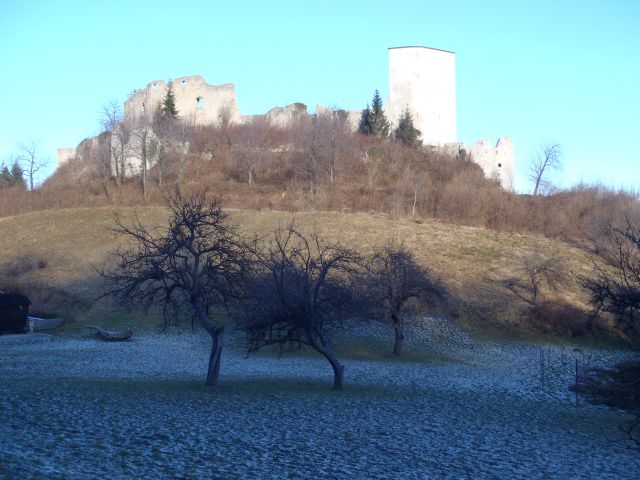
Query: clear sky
x=537, y=71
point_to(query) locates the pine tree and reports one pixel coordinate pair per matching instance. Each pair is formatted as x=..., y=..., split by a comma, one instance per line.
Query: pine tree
x=363, y=126
x=406, y=131
x=168, y=107
x=5, y=176
x=373, y=120
x=17, y=176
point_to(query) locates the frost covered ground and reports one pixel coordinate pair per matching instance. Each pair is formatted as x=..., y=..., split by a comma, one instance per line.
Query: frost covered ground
x=77, y=407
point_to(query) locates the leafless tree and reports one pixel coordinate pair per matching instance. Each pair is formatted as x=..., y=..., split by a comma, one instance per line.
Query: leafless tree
x=614, y=286
x=412, y=178
x=29, y=157
x=538, y=270
x=182, y=131
x=548, y=158
x=251, y=149
x=301, y=295
x=119, y=132
x=397, y=286
x=143, y=145
x=195, y=266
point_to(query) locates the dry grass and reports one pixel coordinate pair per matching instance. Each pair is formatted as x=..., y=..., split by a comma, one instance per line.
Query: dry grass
x=52, y=256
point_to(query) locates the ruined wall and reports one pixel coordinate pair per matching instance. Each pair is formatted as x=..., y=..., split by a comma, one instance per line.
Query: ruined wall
x=351, y=117
x=420, y=78
x=65, y=154
x=284, y=117
x=496, y=162
x=424, y=79
x=196, y=101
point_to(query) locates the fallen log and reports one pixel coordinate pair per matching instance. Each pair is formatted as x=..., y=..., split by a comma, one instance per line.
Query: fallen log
x=110, y=335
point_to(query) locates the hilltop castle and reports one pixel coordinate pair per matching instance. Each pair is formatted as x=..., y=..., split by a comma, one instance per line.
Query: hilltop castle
x=420, y=78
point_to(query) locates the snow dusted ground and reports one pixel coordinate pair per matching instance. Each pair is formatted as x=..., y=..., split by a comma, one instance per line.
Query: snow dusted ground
x=77, y=407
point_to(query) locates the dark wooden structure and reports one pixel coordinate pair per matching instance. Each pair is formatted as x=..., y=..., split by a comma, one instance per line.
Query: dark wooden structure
x=14, y=313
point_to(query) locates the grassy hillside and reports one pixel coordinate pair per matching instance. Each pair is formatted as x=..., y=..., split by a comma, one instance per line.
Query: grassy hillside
x=52, y=256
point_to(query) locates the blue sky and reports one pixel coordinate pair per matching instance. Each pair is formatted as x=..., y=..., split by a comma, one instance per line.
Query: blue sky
x=537, y=71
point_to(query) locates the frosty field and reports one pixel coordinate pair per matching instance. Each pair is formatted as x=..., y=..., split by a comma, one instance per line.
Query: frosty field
x=75, y=407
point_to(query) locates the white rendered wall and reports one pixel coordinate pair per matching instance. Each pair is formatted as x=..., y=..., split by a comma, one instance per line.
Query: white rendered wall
x=424, y=79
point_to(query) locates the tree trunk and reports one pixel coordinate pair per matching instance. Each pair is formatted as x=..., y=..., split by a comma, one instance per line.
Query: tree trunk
x=181, y=176
x=213, y=371
x=397, y=326
x=144, y=163
x=160, y=167
x=415, y=200
x=338, y=369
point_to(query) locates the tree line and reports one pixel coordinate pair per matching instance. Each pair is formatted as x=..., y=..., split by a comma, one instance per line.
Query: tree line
x=13, y=177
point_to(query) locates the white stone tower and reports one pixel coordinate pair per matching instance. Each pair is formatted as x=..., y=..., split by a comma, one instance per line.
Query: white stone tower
x=424, y=79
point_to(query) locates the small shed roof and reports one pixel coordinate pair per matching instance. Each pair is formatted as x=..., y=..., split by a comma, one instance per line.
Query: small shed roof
x=13, y=300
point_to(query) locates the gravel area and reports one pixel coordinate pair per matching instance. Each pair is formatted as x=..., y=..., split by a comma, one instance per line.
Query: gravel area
x=79, y=408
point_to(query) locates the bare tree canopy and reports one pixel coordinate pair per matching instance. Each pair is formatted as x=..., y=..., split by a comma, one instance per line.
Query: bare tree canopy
x=303, y=292
x=539, y=270
x=195, y=266
x=548, y=158
x=396, y=286
x=29, y=157
x=614, y=286
x=119, y=136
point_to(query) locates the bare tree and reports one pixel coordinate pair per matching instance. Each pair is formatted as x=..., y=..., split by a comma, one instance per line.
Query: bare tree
x=397, y=286
x=614, y=286
x=539, y=270
x=548, y=158
x=250, y=150
x=29, y=157
x=195, y=266
x=302, y=294
x=143, y=145
x=112, y=122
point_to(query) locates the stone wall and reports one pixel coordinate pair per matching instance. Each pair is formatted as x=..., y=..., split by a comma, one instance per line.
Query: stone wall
x=496, y=162
x=196, y=101
x=65, y=154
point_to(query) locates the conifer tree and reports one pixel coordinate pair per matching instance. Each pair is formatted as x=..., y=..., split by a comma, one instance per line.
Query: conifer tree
x=5, y=176
x=373, y=120
x=406, y=131
x=17, y=175
x=363, y=126
x=168, y=107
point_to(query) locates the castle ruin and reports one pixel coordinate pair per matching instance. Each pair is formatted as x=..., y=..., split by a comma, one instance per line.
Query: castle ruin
x=421, y=79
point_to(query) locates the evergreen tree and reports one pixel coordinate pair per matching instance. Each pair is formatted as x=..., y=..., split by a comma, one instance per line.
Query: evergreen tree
x=17, y=177
x=5, y=176
x=406, y=131
x=373, y=120
x=363, y=126
x=168, y=107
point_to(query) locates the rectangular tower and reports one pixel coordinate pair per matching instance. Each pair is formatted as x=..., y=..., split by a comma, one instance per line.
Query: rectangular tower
x=424, y=79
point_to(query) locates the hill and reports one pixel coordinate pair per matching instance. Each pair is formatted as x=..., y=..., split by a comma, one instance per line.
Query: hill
x=52, y=256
